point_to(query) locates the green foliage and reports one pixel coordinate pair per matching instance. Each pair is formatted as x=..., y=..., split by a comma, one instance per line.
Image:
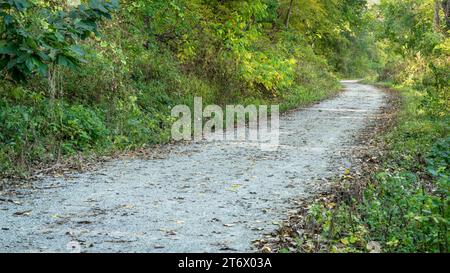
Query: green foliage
x=35, y=38
x=235, y=43
x=80, y=129
x=38, y=130
x=399, y=16
x=400, y=212
x=416, y=56
x=406, y=207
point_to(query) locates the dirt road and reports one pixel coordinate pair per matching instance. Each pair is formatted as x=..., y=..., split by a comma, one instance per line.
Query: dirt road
x=201, y=197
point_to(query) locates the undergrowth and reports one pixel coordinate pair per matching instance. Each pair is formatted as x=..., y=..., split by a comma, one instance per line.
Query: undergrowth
x=405, y=206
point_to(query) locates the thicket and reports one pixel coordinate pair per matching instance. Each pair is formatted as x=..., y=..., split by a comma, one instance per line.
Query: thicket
x=100, y=76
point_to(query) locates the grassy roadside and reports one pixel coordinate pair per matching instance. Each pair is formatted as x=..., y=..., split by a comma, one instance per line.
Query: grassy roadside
x=41, y=137
x=397, y=202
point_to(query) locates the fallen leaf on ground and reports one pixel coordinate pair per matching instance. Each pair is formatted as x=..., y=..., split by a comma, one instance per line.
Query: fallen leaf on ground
x=23, y=213
x=374, y=247
x=266, y=249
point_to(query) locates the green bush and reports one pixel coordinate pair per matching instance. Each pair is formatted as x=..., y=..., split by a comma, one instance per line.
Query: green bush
x=81, y=129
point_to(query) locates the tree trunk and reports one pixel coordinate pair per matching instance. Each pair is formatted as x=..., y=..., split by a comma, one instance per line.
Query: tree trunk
x=437, y=18
x=288, y=15
x=446, y=8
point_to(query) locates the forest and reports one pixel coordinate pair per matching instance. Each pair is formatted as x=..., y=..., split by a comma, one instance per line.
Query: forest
x=84, y=79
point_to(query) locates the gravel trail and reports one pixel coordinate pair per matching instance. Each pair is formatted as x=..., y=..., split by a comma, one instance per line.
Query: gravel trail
x=200, y=197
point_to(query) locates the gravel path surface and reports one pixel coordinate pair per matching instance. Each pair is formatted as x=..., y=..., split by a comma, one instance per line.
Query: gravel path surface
x=201, y=197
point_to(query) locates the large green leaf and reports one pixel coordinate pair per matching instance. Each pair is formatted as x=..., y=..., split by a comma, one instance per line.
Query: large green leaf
x=25, y=51
x=7, y=48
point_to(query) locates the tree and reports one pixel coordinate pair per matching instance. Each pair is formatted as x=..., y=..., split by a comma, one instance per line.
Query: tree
x=446, y=8
x=437, y=18
x=288, y=14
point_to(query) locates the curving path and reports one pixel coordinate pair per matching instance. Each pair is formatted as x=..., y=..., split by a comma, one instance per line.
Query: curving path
x=201, y=197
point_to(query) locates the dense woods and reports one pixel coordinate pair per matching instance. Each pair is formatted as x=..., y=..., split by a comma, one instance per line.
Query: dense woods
x=102, y=75
x=95, y=77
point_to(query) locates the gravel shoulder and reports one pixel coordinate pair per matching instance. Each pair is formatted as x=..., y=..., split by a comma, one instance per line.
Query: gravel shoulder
x=199, y=197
